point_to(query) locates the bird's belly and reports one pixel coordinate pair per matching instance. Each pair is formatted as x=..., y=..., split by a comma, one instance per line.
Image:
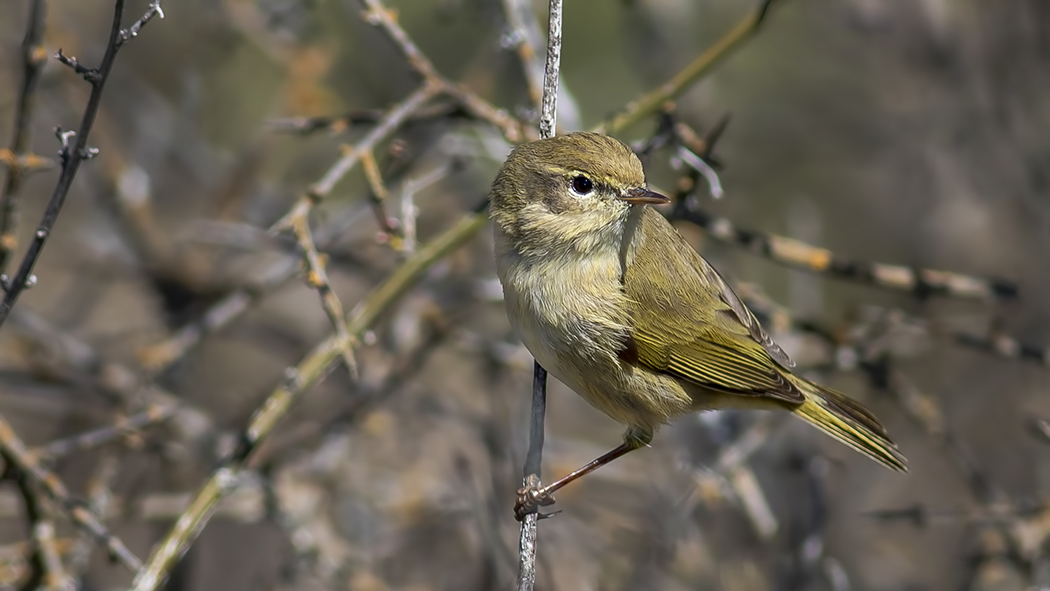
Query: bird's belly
x=575, y=348
x=576, y=328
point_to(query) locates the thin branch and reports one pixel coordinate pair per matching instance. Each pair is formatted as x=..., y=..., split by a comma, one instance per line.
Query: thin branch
x=652, y=101
x=352, y=155
x=71, y=157
x=551, y=73
x=34, y=56
x=533, y=464
x=1004, y=345
x=317, y=278
x=512, y=129
x=409, y=210
x=533, y=460
x=20, y=455
x=379, y=196
x=799, y=255
x=334, y=124
x=156, y=413
x=158, y=357
x=55, y=576
x=48, y=571
x=27, y=163
x=99, y=498
x=704, y=169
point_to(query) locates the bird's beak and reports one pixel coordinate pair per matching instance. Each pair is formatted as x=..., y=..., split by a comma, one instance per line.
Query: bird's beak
x=641, y=196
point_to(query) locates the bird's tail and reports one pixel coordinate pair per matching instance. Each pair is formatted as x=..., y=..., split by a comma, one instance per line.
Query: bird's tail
x=850, y=423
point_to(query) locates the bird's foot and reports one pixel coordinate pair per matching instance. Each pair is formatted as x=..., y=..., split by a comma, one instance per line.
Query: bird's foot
x=531, y=498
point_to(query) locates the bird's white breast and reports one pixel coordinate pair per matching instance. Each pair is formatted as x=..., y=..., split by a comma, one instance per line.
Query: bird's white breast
x=569, y=310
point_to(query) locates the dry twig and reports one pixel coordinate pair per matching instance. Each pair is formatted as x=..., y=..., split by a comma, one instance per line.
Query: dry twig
x=534, y=458
x=71, y=156
x=20, y=455
x=653, y=101
x=317, y=278
x=19, y=163
x=797, y=254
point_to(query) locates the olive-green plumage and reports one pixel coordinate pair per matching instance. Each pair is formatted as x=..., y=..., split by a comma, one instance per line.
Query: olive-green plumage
x=613, y=302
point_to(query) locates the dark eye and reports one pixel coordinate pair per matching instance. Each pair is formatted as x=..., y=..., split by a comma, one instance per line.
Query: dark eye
x=582, y=185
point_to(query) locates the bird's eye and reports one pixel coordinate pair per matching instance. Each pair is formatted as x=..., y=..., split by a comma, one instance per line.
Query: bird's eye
x=582, y=185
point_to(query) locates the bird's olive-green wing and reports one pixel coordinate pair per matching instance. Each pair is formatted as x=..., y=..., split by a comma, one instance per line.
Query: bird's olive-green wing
x=687, y=322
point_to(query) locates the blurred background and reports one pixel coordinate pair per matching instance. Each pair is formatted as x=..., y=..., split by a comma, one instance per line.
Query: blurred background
x=906, y=132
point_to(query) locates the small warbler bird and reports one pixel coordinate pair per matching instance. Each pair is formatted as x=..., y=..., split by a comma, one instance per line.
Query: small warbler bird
x=612, y=301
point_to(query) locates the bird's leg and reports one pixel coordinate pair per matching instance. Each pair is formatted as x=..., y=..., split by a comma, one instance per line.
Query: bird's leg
x=532, y=496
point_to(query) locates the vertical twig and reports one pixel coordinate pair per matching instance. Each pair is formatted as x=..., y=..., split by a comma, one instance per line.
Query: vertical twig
x=33, y=58
x=549, y=107
x=533, y=460
x=74, y=148
x=533, y=463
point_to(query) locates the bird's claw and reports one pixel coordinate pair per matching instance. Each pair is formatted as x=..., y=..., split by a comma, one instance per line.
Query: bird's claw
x=531, y=498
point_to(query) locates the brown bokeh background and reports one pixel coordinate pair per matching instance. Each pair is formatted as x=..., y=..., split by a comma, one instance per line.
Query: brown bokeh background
x=912, y=132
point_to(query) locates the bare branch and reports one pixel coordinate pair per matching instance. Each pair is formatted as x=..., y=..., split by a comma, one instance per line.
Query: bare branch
x=70, y=158
x=551, y=73
x=652, y=101
x=34, y=56
x=317, y=278
x=352, y=155
x=17, y=452
x=534, y=458
x=797, y=254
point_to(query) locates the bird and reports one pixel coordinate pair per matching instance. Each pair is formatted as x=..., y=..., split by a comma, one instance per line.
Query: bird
x=610, y=299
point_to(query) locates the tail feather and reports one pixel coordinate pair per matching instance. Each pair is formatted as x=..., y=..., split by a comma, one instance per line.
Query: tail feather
x=849, y=422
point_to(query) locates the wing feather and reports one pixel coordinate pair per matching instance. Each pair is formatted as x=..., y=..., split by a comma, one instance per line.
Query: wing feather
x=689, y=323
